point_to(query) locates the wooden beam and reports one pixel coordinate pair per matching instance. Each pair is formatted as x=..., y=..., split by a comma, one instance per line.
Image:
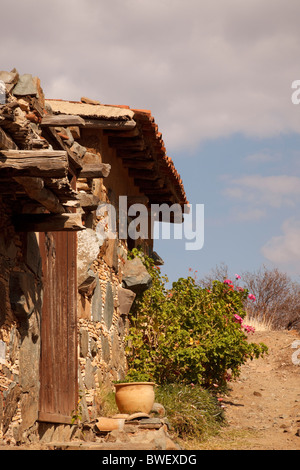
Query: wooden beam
x=133, y=154
x=143, y=174
x=34, y=163
x=162, y=192
x=6, y=142
x=146, y=184
x=62, y=188
x=97, y=170
x=35, y=189
x=125, y=133
x=61, y=120
x=110, y=124
x=138, y=164
x=57, y=143
x=135, y=143
x=48, y=222
x=142, y=199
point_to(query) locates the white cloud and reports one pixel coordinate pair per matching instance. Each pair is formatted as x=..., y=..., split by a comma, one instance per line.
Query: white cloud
x=284, y=250
x=206, y=69
x=259, y=192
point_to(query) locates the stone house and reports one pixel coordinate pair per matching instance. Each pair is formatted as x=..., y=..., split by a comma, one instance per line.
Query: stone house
x=66, y=286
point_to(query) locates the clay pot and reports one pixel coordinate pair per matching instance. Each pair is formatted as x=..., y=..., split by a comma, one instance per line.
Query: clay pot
x=135, y=397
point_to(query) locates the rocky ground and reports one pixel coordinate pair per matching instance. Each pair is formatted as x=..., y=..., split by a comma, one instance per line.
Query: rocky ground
x=263, y=407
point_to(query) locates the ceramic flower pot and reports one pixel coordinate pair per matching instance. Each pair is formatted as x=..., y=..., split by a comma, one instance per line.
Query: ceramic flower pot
x=133, y=397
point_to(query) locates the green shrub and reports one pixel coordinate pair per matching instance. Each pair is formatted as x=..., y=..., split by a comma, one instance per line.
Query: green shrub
x=189, y=334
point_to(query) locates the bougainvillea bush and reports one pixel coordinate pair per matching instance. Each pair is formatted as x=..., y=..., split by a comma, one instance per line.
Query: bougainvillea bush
x=189, y=334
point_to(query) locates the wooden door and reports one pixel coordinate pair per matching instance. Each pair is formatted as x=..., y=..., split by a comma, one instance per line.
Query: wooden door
x=59, y=362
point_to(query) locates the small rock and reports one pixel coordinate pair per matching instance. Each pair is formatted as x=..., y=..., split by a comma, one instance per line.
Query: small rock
x=25, y=86
x=150, y=423
x=158, y=409
x=117, y=435
x=298, y=432
x=109, y=424
x=257, y=394
x=86, y=100
x=136, y=276
x=75, y=131
x=78, y=149
x=24, y=105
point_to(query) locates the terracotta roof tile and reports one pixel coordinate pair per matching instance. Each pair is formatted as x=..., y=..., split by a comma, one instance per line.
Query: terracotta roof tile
x=148, y=126
x=169, y=164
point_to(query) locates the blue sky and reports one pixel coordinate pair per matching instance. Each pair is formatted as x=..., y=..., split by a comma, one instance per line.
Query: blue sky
x=217, y=76
x=240, y=220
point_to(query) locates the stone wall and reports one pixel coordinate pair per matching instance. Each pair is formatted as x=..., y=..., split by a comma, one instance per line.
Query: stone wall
x=104, y=298
x=107, y=285
x=20, y=307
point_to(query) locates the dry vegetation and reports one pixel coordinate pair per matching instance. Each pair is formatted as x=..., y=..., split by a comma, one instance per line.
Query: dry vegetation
x=277, y=304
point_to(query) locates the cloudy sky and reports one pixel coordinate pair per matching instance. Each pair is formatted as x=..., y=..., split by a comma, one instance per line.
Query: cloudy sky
x=217, y=76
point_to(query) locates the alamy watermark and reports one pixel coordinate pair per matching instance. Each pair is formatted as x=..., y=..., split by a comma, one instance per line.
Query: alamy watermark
x=295, y=97
x=2, y=92
x=139, y=222
x=296, y=354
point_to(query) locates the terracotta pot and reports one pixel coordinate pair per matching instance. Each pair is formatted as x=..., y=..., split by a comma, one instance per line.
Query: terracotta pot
x=135, y=397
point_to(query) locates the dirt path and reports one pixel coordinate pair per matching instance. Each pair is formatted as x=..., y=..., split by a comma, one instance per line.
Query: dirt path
x=263, y=406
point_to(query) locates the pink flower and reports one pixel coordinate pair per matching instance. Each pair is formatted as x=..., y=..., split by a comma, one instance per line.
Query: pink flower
x=238, y=318
x=228, y=281
x=237, y=276
x=252, y=297
x=249, y=329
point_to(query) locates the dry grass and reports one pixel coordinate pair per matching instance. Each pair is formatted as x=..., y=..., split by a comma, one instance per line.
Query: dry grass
x=260, y=324
x=192, y=411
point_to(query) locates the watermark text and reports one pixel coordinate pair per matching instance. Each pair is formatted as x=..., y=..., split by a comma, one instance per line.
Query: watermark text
x=141, y=222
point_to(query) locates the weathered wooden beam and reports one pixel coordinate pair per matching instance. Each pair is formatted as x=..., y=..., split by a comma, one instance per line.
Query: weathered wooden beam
x=138, y=164
x=125, y=133
x=35, y=189
x=62, y=120
x=110, y=124
x=135, y=143
x=6, y=142
x=126, y=153
x=161, y=192
x=62, y=188
x=48, y=222
x=34, y=163
x=146, y=184
x=96, y=170
x=143, y=174
x=142, y=199
x=57, y=143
